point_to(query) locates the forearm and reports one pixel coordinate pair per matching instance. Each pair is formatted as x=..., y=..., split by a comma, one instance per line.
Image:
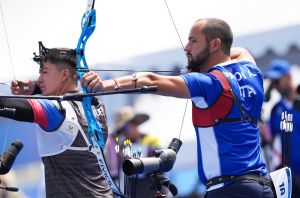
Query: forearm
x=16, y=109
x=135, y=80
x=166, y=85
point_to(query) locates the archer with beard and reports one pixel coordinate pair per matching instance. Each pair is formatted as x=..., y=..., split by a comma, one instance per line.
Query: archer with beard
x=226, y=90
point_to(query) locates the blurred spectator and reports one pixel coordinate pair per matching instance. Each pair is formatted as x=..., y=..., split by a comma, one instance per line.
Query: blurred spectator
x=280, y=75
x=271, y=153
x=143, y=145
x=267, y=144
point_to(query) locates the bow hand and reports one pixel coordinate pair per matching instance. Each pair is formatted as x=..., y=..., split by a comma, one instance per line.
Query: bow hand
x=26, y=87
x=92, y=82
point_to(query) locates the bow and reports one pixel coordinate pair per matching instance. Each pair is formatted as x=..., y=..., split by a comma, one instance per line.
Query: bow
x=94, y=133
x=88, y=27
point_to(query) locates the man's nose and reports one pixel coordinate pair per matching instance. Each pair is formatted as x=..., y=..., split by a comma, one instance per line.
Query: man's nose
x=39, y=79
x=187, y=48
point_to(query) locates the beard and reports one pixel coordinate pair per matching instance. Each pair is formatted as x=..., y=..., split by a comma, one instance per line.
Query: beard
x=194, y=65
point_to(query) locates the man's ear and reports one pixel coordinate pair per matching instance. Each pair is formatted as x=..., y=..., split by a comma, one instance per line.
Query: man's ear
x=65, y=74
x=215, y=45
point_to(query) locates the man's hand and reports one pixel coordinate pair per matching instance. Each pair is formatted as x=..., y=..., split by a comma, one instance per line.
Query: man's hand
x=241, y=54
x=25, y=87
x=92, y=82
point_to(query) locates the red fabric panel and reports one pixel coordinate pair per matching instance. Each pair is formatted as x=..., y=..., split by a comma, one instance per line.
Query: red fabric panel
x=219, y=110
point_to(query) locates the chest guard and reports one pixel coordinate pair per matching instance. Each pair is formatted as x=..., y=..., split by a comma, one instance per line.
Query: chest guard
x=56, y=142
x=210, y=116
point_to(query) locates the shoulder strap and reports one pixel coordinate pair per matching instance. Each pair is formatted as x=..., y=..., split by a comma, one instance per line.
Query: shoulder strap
x=217, y=113
x=245, y=116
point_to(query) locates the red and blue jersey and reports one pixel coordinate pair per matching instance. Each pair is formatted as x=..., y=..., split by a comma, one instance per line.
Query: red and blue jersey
x=228, y=148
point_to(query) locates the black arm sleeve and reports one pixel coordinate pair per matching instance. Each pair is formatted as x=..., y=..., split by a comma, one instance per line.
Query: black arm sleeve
x=16, y=109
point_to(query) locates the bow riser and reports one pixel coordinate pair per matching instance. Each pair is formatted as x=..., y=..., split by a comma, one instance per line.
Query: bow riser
x=88, y=26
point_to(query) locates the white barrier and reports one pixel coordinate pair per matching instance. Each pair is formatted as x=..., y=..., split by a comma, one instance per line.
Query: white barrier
x=282, y=180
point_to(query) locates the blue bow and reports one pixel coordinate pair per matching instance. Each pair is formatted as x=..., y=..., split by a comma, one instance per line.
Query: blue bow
x=88, y=26
x=95, y=135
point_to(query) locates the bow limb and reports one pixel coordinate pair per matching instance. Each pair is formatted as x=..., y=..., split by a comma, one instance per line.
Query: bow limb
x=88, y=26
x=94, y=134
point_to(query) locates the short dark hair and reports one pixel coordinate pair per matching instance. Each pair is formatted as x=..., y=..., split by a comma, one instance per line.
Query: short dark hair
x=62, y=58
x=217, y=28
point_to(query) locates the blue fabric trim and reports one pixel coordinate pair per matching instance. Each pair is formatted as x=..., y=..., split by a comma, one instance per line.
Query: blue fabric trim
x=53, y=113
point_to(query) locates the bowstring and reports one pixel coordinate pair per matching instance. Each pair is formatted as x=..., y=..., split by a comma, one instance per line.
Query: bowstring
x=13, y=71
x=174, y=25
x=7, y=42
x=186, y=103
x=182, y=46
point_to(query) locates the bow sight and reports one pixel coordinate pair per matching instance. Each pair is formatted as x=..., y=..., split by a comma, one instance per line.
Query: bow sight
x=43, y=52
x=40, y=57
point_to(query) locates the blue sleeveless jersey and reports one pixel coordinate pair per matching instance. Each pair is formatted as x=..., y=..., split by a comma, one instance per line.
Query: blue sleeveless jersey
x=230, y=148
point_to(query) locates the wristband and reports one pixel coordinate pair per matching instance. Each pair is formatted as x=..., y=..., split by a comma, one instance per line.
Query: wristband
x=117, y=85
x=134, y=79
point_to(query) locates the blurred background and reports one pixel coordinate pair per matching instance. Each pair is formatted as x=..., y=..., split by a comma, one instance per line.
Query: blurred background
x=138, y=35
